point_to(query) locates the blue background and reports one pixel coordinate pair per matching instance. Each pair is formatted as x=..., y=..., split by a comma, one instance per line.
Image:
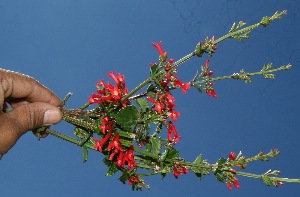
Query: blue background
x=69, y=45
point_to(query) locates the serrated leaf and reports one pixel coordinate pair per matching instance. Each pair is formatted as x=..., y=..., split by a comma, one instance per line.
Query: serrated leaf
x=106, y=161
x=267, y=180
x=221, y=161
x=198, y=159
x=156, y=145
x=164, y=155
x=172, y=153
x=127, y=118
x=154, y=69
x=85, y=153
x=145, y=166
x=199, y=175
x=241, y=24
x=143, y=104
x=124, y=177
x=151, y=91
x=219, y=177
x=233, y=28
x=112, y=170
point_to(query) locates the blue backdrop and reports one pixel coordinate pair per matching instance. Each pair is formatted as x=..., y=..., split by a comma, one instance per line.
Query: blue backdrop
x=69, y=45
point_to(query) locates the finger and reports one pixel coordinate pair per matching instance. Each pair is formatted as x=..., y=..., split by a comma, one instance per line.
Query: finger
x=23, y=118
x=18, y=86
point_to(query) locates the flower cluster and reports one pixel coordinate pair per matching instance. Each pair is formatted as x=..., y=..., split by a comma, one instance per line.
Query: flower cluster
x=107, y=93
x=110, y=142
x=179, y=170
x=163, y=101
x=209, y=87
x=232, y=180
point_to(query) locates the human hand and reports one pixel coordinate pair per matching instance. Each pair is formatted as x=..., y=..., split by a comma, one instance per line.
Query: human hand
x=33, y=105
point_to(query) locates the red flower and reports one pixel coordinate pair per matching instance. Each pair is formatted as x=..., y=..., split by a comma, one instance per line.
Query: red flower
x=115, y=143
x=172, y=130
x=211, y=92
x=236, y=184
x=229, y=186
x=129, y=158
x=159, y=48
x=106, y=125
x=99, y=144
x=119, y=79
x=159, y=106
x=132, y=180
x=207, y=63
x=177, y=82
x=232, y=155
x=174, y=115
x=175, y=172
x=178, y=170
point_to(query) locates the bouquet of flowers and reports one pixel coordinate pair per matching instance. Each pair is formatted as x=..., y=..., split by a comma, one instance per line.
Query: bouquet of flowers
x=136, y=130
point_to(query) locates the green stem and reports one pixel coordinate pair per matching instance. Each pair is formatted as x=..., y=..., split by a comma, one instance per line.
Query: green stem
x=145, y=153
x=63, y=136
x=143, y=84
x=184, y=59
x=246, y=74
x=257, y=176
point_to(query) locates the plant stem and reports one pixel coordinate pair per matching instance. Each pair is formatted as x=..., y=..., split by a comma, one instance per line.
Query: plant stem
x=143, y=84
x=257, y=176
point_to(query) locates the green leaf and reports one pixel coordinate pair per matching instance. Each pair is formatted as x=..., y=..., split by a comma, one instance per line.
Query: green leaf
x=85, y=153
x=112, y=170
x=151, y=91
x=198, y=174
x=143, y=104
x=267, y=180
x=198, y=159
x=219, y=177
x=156, y=145
x=172, y=153
x=127, y=118
x=221, y=161
x=154, y=69
x=124, y=177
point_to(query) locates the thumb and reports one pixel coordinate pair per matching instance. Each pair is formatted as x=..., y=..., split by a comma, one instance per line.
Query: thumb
x=23, y=118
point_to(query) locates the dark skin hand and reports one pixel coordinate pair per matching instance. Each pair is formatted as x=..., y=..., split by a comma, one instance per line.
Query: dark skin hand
x=33, y=105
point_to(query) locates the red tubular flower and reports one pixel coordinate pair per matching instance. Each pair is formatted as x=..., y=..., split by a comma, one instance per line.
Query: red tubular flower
x=185, y=170
x=106, y=125
x=172, y=130
x=132, y=180
x=178, y=170
x=229, y=186
x=175, y=172
x=177, y=82
x=211, y=92
x=207, y=63
x=159, y=106
x=95, y=98
x=185, y=87
x=115, y=143
x=232, y=155
x=99, y=144
x=119, y=79
x=174, y=115
x=159, y=48
x=236, y=184
x=129, y=158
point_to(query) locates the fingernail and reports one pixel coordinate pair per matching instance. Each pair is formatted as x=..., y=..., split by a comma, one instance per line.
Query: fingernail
x=52, y=117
